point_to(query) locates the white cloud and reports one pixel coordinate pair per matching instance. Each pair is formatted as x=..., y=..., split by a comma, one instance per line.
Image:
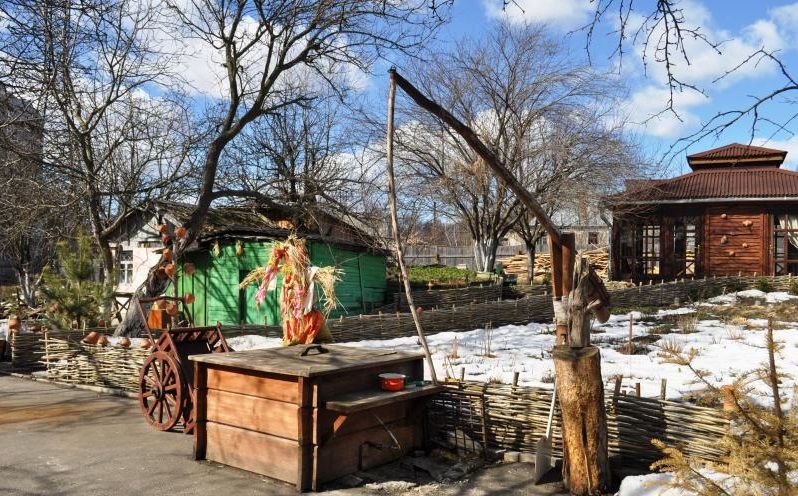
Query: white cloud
x=645, y=110
x=569, y=14
x=790, y=145
x=706, y=65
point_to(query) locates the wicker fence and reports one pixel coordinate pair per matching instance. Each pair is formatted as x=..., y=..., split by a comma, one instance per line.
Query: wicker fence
x=448, y=297
x=514, y=418
x=27, y=348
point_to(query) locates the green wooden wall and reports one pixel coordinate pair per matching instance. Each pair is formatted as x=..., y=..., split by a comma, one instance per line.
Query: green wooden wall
x=215, y=283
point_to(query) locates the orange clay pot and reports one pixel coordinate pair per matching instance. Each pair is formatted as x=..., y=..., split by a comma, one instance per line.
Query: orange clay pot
x=167, y=254
x=189, y=268
x=170, y=270
x=145, y=344
x=181, y=232
x=91, y=338
x=188, y=298
x=172, y=310
x=102, y=340
x=124, y=342
x=163, y=228
x=14, y=323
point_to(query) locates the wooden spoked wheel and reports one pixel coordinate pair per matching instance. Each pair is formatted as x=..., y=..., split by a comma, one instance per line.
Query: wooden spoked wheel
x=161, y=391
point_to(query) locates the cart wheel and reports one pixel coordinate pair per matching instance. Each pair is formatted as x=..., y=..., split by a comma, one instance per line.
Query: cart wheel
x=161, y=391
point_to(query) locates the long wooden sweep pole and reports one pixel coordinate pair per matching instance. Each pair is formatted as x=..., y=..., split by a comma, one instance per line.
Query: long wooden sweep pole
x=400, y=259
x=577, y=364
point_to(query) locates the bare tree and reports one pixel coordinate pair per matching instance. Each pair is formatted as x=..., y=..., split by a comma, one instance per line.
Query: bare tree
x=30, y=221
x=86, y=66
x=666, y=34
x=506, y=87
x=575, y=159
x=269, y=50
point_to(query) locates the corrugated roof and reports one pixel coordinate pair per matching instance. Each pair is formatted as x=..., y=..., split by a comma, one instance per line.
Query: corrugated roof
x=737, y=182
x=736, y=155
x=736, y=151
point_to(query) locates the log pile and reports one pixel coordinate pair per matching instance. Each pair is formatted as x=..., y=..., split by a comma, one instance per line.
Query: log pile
x=516, y=418
x=517, y=265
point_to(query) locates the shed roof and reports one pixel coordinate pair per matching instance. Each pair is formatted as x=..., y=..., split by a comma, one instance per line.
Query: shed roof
x=257, y=221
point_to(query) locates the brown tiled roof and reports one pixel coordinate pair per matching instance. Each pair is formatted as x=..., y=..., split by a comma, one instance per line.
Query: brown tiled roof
x=736, y=154
x=736, y=182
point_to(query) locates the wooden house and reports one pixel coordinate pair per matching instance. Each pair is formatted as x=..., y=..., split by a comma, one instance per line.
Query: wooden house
x=236, y=240
x=736, y=212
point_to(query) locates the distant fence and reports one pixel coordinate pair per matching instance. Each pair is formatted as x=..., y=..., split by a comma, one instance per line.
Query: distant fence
x=515, y=418
x=453, y=256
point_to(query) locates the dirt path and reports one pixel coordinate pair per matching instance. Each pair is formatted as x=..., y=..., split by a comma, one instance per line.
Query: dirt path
x=63, y=441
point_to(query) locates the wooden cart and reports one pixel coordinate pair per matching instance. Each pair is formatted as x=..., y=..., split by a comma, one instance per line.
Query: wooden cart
x=307, y=414
x=165, y=393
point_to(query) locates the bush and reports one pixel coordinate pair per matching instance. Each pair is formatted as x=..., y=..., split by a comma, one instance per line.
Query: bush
x=439, y=274
x=763, y=284
x=794, y=288
x=71, y=293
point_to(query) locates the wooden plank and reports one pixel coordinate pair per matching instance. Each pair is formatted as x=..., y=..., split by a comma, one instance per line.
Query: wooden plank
x=290, y=361
x=200, y=391
x=328, y=424
x=341, y=456
x=304, y=422
x=332, y=387
x=253, y=413
x=270, y=386
x=364, y=400
x=264, y=454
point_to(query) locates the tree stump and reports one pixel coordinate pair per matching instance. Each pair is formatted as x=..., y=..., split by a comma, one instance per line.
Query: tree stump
x=586, y=469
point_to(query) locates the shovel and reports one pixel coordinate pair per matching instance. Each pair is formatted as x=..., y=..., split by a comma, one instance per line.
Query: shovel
x=543, y=451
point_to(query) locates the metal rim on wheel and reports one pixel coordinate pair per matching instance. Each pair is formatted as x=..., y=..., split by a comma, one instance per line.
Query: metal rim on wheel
x=161, y=391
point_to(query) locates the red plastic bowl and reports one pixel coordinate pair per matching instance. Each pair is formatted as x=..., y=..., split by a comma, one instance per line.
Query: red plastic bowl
x=392, y=382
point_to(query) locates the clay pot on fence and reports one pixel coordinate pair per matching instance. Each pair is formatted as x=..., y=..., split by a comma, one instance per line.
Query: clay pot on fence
x=91, y=338
x=124, y=342
x=146, y=344
x=14, y=324
x=102, y=340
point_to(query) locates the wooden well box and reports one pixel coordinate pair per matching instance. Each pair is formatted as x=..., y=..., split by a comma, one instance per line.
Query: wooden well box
x=307, y=414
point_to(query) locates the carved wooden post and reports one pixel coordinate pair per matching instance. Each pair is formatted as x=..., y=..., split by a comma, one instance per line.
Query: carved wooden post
x=577, y=365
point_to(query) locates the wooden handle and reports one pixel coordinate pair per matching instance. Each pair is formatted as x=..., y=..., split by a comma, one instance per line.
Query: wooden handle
x=321, y=349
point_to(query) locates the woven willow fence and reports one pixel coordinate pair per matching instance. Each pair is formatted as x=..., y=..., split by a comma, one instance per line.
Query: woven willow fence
x=27, y=348
x=66, y=359
x=515, y=418
x=449, y=297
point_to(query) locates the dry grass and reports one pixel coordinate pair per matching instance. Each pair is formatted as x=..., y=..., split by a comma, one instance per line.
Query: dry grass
x=454, y=351
x=486, y=343
x=688, y=323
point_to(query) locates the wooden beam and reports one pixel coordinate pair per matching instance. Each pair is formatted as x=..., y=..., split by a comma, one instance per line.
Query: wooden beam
x=485, y=153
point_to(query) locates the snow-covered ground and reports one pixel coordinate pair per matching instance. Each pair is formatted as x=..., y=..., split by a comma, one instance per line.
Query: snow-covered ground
x=725, y=350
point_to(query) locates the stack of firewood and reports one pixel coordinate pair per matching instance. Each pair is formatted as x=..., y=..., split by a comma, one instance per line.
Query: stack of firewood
x=517, y=264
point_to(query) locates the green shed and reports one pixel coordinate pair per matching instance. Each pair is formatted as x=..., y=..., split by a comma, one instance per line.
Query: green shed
x=218, y=273
x=237, y=239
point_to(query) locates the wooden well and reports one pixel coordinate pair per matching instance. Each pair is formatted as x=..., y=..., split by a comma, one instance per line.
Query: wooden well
x=307, y=414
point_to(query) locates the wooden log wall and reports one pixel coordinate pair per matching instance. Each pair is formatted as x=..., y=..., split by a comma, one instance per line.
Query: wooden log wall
x=515, y=418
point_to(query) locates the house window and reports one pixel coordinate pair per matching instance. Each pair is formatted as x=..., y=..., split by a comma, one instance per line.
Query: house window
x=125, y=268
x=685, y=247
x=592, y=238
x=785, y=244
x=649, y=252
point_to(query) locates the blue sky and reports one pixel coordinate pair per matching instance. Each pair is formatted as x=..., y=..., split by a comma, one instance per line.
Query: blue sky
x=742, y=26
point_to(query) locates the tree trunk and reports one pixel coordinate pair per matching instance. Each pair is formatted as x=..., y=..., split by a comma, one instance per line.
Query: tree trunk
x=586, y=468
x=27, y=287
x=485, y=254
x=530, y=262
